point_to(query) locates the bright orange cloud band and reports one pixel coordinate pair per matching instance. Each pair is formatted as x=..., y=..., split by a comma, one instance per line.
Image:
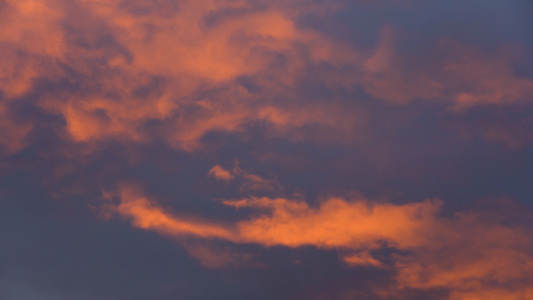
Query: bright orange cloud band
x=132, y=69
x=471, y=253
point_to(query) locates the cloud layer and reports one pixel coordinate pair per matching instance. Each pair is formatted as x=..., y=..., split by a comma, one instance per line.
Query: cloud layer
x=211, y=149
x=177, y=71
x=472, y=255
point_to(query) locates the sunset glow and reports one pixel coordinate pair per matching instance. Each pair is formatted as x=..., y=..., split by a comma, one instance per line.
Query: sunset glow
x=266, y=149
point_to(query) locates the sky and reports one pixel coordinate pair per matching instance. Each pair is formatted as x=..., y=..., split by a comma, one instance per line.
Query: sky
x=266, y=149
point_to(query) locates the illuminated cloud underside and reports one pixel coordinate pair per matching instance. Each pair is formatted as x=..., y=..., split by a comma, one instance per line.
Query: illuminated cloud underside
x=112, y=54
x=220, y=82
x=471, y=254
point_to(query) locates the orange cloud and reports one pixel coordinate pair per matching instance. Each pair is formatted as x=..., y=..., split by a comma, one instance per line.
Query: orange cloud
x=147, y=215
x=31, y=42
x=130, y=69
x=220, y=173
x=472, y=255
x=248, y=182
x=336, y=223
x=362, y=258
x=114, y=68
x=192, y=56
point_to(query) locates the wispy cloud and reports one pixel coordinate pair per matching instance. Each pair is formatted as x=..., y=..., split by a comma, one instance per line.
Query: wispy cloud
x=471, y=254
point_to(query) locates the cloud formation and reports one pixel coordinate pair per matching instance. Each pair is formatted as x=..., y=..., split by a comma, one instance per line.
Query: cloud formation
x=139, y=71
x=249, y=183
x=249, y=123
x=471, y=254
x=128, y=64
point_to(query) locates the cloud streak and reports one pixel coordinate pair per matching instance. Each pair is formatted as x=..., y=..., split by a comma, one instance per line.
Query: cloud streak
x=470, y=254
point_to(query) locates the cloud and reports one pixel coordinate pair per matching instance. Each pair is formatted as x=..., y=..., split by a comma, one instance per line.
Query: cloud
x=188, y=56
x=335, y=224
x=126, y=69
x=471, y=254
x=474, y=256
x=455, y=72
x=362, y=258
x=32, y=43
x=220, y=173
x=96, y=92
x=249, y=183
x=216, y=256
x=147, y=215
x=145, y=71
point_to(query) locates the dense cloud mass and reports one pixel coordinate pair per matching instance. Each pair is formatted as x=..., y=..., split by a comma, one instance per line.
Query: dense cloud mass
x=250, y=149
